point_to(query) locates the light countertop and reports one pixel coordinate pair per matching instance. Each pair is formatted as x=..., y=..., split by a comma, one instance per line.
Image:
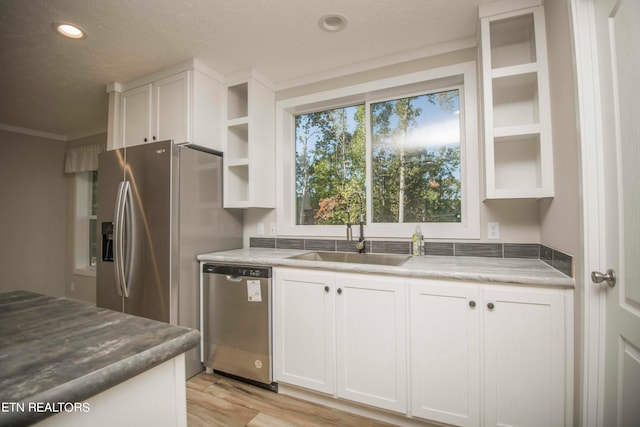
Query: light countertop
x=56, y=350
x=481, y=269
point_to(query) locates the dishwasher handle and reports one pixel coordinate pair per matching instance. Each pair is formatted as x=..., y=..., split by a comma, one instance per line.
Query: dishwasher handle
x=231, y=278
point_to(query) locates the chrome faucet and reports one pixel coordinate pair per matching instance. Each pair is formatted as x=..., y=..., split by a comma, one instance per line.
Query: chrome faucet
x=360, y=244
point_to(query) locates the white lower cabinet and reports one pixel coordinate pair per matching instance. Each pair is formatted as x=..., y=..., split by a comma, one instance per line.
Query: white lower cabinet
x=445, y=352
x=371, y=340
x=524, y=357
x=452, y=352
x=342, y=334
x=304, y=332
x=487, y=355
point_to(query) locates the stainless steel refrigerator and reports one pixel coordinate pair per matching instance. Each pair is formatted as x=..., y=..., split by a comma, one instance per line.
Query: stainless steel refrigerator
x=159, y=205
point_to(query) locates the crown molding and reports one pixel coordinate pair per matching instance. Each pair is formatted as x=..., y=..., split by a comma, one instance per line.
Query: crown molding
x=32, y=132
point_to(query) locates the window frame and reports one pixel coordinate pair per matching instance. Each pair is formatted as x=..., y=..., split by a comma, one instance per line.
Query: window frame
x=83, y=184
x=463, y=75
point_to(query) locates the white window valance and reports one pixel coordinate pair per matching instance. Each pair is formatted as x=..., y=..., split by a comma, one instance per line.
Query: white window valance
x=83, y=158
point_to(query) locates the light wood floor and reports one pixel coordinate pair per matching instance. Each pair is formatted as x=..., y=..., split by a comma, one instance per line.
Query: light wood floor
x=214, y=400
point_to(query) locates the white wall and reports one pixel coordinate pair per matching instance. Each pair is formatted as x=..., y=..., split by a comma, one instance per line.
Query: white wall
x=559, y=217
x=32, y=218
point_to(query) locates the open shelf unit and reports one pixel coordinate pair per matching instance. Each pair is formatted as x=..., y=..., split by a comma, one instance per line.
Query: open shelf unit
x=249, y=143
x=517, y=119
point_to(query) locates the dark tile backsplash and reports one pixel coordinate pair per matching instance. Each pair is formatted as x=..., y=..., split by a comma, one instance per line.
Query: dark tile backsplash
x=558, y=260
x=262, y=242
x=320, y=245
x=493, y=250
x=383, y=247
x=290, y=243
x=522, y=250
x=438, y=248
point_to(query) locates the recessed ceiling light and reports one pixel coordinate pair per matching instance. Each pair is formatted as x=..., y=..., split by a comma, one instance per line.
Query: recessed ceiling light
x=69, y=30
x=333, y=22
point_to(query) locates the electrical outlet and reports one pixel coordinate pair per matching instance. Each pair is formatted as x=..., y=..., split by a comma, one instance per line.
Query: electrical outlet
x=260, y=229
x=493, y=230
x=272, y=229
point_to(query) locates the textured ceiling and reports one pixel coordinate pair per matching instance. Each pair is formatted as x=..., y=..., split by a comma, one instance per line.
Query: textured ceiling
x=56, y=85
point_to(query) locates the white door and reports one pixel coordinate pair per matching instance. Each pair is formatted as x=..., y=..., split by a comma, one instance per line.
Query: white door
x=610, y=82
x=171, y=108
x=524, y=356
x=445, y=352
x=135, y=116
x=304, y=352
x=371, y=341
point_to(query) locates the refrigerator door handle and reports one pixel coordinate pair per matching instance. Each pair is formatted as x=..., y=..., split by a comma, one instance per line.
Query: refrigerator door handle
x=118, y=237
x=127, y=234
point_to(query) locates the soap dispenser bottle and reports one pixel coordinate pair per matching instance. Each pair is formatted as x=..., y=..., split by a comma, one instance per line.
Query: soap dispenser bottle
x=417, y=241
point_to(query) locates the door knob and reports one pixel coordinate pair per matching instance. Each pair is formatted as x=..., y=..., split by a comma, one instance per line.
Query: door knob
x=609, y=277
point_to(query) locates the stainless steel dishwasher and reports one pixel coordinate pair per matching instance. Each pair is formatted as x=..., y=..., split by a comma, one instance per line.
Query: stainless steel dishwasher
x=237, y=322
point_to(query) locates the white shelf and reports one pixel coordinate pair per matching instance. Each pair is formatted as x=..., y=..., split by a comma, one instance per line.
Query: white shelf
x=237, y=101
x=515, y=100
x=237, y=141
x=517, y=162
x=249, y=143
x=511, y=131
x=238, y=162
x=514, y=70
x=513, y=41
x=517, y=121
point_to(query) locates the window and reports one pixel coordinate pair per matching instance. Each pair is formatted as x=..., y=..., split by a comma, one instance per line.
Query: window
x=86, y=232
x=407, y=144
x=416, y=158
x=330, y=163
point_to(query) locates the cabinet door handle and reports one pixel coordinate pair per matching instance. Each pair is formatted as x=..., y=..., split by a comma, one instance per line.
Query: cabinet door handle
x=491, y=306
x=326, y=289
x=146, y=140
x=472, y=304
x=339, y=290
x=154, y=137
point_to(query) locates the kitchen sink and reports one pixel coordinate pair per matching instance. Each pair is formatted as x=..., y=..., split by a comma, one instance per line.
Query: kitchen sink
x=354, y=258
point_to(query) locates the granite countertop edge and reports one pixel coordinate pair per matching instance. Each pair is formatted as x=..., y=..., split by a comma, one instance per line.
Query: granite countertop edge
x=533, y=272
x=89, y=385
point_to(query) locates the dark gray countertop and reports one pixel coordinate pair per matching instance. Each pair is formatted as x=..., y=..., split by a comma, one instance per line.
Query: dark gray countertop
x=489, y=270
x=55, y=350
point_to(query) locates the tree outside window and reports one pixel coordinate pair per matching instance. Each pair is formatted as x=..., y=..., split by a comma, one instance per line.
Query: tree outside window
x=416, y=159
x=330, y=163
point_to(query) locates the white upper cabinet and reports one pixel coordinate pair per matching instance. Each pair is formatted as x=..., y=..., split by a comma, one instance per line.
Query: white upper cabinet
x=517, y=116
x=249, y=142
x=135, y=116
x=156, y=111
x=172, y=109
x=183, y=103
